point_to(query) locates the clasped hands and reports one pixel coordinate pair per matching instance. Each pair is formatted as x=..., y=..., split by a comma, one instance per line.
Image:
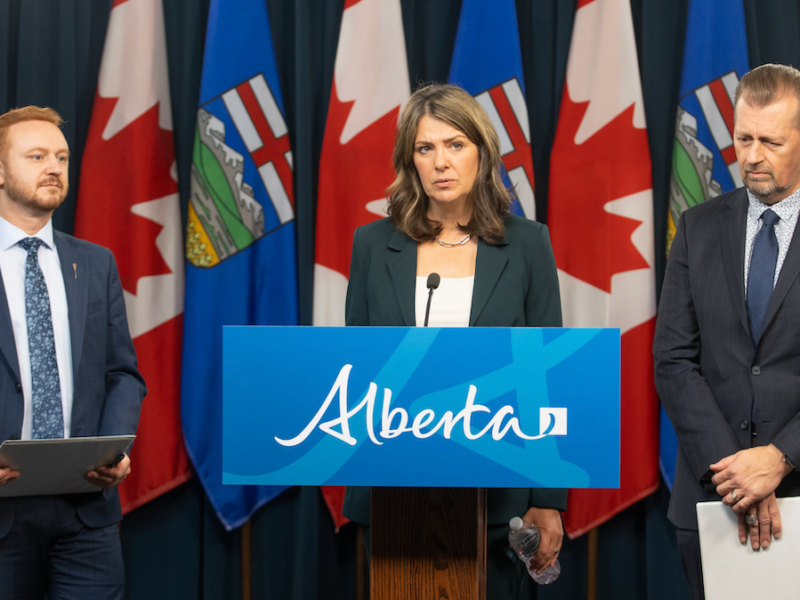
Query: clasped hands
x=747, y=481
x=104, y=477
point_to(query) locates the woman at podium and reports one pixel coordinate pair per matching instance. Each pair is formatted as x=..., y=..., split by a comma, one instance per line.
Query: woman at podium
x=450, y=238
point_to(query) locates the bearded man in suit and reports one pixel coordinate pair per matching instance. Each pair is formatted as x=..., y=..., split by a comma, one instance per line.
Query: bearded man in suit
x=727, y=344
x=67, y=369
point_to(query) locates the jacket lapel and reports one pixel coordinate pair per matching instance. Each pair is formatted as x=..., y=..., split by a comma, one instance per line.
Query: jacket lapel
x=733, y=228
x=489, y=266
x=75, y=270
x=7, y=345
x=403, y=268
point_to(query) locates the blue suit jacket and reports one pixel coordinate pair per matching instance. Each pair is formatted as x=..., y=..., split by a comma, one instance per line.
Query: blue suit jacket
x=516, y=285
x=108, y=389
x=708, y=372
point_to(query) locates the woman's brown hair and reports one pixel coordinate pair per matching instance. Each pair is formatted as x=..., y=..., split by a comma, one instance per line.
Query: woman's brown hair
x=408, y=203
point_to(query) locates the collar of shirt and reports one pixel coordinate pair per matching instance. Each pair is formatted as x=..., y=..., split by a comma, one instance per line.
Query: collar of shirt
x=10, y=235
x=786, y=209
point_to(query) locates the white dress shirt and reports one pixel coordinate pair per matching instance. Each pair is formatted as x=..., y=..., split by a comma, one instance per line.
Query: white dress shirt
x=12, y=268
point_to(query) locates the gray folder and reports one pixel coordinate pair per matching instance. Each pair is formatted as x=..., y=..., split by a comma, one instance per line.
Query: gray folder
x=58, y=466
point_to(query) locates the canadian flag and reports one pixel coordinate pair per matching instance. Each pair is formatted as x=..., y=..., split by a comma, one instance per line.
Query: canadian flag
x=128, y=202
x=370, y=87
x=600, y=215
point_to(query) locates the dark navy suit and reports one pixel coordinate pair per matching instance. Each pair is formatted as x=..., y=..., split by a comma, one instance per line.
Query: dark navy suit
x=108, y=389
x=709, y=373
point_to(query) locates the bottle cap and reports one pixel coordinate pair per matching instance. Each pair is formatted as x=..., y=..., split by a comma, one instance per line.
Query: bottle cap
x=515, y=524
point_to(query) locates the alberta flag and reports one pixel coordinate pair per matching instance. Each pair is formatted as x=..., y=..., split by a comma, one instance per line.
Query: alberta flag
x=703, y=159
x=487, y=62
x=240, y=239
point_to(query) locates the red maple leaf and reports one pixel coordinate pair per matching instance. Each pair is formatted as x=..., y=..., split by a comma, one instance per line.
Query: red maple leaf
x=130, y=168
x=590, y=243
x=350, y=176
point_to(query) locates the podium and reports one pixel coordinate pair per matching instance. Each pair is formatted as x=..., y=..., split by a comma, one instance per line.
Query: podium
x=428, y=543
x=428, y=418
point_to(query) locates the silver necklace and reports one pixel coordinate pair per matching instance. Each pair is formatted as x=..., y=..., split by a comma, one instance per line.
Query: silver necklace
x=460, y=242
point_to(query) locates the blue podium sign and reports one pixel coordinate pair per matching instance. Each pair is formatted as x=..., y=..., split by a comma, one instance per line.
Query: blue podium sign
x=397, y=406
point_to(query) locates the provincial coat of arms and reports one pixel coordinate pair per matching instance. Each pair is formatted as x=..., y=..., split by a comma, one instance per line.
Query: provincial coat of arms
x=241, y=184
x=700, y=135
x=506, y=107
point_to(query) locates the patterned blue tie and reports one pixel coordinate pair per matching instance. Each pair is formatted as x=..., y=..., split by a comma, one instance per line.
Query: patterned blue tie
x=46, y=412
x=761, y=277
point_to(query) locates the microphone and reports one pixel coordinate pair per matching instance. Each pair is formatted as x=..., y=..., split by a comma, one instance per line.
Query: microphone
x=433, y=282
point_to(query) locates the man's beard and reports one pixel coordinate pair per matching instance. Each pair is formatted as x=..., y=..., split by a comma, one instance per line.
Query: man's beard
x=32, y=198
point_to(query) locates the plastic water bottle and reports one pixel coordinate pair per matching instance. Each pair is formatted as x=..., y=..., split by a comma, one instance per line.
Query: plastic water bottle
x=525, y=538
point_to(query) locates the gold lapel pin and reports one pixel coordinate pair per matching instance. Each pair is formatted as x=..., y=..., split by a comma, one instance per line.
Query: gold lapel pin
x=75, y=269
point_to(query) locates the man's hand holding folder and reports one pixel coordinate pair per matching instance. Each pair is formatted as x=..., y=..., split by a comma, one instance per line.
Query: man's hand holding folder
x=7, y=475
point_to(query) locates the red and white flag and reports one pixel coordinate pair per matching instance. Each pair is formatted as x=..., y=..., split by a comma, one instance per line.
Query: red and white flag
x=600, y=215
x=128, y=202
x=370, y=87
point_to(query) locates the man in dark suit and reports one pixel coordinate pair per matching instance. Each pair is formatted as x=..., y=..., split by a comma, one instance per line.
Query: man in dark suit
x=67, y=369
x=727, y=344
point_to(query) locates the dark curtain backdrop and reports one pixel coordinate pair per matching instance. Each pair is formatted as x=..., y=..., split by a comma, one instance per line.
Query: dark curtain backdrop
x=174, y=547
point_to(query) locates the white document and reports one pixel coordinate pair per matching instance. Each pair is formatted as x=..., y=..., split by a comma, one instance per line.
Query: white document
x=731, y=570
x=58, y=466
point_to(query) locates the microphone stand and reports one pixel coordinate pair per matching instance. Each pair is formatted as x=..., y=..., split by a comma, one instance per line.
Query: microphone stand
x=433, y=282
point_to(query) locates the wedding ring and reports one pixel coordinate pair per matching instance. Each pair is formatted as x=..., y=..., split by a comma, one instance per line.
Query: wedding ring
x=734, y=497
x=751, y=519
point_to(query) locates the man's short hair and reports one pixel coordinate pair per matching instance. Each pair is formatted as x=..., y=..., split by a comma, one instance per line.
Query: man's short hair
x=26, y=113
x=766, y=84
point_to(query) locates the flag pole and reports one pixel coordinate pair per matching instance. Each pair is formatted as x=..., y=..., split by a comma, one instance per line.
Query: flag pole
x=591, y=566
x=247, y=570
x=361, y=567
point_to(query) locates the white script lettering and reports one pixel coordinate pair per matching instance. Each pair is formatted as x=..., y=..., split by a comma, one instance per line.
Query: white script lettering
x=394, y=422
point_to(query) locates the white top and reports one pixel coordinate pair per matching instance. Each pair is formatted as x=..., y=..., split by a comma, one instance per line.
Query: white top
x=12, y=268
x=451, y=304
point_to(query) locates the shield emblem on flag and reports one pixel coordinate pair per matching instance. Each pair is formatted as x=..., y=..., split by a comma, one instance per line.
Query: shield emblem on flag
x=241, y=184
x=505, y=105
x=704, y=142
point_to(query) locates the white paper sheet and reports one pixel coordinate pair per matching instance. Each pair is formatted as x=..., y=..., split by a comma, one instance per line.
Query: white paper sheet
x=731, y=570
x=58, y=466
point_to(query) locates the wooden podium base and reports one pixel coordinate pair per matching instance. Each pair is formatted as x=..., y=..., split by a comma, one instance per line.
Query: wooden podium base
x=428, y=544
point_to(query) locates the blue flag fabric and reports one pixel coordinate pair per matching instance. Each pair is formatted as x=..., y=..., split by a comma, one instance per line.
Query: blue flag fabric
x=704, y=161
x=240, y=246
x=487, y=62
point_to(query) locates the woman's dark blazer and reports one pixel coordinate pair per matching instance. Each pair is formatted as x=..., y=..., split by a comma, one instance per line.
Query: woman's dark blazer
x=516, y=285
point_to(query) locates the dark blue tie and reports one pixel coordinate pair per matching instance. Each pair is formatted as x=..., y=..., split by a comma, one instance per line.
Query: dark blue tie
x=46, y=412
x=761, y=278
